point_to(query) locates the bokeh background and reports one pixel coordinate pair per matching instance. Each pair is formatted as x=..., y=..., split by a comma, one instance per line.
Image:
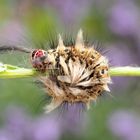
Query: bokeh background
x=113, y=23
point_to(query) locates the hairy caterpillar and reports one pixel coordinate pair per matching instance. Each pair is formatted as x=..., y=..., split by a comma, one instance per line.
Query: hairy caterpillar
x=75, y=73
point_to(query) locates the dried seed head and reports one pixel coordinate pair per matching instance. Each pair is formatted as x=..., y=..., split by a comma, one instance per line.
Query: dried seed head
x=78, y=74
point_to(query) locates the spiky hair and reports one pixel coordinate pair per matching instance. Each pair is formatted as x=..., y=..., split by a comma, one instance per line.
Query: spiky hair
x=80, y=73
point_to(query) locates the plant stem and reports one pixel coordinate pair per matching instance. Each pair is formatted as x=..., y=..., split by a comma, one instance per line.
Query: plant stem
x=18, y=73
x=125, y=71
x=10, y=71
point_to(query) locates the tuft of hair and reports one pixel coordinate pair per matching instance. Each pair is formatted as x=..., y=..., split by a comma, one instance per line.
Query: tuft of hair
x=80, y=73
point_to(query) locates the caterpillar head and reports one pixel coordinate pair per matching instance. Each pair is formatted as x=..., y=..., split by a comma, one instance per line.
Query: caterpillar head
x=39, y=59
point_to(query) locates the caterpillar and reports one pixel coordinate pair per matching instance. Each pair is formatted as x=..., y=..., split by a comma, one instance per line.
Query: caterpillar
x=75, y=73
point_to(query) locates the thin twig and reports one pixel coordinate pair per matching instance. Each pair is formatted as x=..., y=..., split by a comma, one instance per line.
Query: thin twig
x=10, y=71
x=125, y=71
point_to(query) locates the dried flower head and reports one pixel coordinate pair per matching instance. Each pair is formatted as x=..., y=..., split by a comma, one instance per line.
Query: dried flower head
x=76, y=73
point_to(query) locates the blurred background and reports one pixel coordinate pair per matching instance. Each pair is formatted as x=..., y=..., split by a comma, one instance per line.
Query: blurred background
x=113, y=23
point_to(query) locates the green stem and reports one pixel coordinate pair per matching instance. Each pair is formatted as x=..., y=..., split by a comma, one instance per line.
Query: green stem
x=10, y=71
x=125, y=71
x=18, y=73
